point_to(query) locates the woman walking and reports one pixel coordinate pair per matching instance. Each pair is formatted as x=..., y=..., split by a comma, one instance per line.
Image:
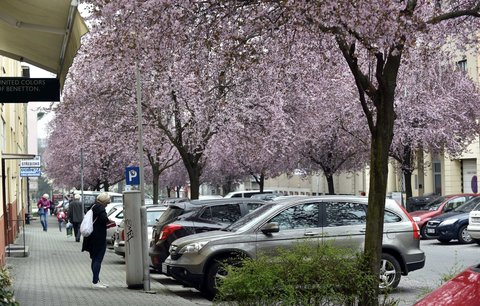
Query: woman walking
x=43, y=205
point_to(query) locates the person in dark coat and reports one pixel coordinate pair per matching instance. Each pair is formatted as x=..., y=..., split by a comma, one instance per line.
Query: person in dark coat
x=96, y=243
x=75, y=215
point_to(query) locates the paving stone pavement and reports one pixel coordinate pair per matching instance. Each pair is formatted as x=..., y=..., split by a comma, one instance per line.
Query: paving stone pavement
x=56, y=272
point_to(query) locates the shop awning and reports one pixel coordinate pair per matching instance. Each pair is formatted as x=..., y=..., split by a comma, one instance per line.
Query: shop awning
x=44, y=33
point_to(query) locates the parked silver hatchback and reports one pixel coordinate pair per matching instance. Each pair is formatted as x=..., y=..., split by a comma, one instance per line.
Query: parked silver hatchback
x=195, y=260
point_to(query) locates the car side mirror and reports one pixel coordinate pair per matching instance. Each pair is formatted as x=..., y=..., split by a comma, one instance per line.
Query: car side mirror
x=271, y=227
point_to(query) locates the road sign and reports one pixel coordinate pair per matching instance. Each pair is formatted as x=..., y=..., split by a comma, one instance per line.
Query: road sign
x=30, y=163
x=29, y=172
x=132, y=176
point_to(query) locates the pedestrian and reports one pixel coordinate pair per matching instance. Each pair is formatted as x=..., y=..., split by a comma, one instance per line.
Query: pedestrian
x=96, y=242
x=61, y=217
x=43, y=205
x=75, y=215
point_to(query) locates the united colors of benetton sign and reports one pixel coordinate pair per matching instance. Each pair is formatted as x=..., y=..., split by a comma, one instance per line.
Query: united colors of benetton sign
x=29, y=89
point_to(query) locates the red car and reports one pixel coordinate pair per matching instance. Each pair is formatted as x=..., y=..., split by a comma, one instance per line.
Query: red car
x=463, y=289
x=437, y=207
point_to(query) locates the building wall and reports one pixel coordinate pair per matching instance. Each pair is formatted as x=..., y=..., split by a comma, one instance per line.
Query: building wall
x=13, y=140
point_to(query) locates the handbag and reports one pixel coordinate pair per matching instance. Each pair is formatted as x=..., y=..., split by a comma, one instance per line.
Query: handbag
x=86, y=227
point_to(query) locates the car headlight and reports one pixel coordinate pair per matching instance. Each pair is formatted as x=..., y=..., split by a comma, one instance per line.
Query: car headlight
x=417, y=219
x=448, y=222
x=193, y=247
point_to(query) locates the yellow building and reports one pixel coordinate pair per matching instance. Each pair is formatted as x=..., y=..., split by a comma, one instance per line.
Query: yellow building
x=13, y=142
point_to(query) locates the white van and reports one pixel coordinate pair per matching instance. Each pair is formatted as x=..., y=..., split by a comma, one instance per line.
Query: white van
x=245, y=193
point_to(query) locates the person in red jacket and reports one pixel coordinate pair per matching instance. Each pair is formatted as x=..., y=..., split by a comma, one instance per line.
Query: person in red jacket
x=43, y=205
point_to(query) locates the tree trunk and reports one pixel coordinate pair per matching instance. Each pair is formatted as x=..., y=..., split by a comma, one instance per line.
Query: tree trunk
x=382, y=135
x=407, y=171
x=261, y=182
x=194, y=176
x=155, y=185
x=407, y=175
x=331, y=188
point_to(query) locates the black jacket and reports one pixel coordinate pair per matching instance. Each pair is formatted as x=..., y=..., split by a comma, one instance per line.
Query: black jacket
x=75, y=213
x=98, y=238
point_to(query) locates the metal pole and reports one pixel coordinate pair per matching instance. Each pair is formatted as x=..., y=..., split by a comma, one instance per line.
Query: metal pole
x=81, y=180
x=143, y=216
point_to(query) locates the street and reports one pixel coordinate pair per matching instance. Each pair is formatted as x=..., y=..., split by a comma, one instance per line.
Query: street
x=442, y=260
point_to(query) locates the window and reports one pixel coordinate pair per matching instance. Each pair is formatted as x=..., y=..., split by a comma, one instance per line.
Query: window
x=462, y=65
x=390, y=217
x=340, y=214
x=222, y=213
x=299, y=216
x=437, y=177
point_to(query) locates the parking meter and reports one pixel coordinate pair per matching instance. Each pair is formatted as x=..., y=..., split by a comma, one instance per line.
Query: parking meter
x=133, y=238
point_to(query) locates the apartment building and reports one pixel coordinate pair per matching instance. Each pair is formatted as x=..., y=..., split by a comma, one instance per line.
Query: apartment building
x=13, y=143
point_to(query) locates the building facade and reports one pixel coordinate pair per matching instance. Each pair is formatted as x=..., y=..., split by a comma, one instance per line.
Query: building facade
x=13, y=143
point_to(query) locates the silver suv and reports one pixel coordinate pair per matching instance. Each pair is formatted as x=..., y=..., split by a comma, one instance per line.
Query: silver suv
x=195, y=260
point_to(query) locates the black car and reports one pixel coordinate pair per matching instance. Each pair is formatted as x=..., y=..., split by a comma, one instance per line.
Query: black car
x=453, y=225
x=197, y=216
x=418, y=203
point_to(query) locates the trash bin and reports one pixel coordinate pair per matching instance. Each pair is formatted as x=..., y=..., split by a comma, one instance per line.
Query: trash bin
x=27, y=218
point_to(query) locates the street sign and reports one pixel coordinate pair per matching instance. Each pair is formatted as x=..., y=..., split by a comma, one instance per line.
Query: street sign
x=30, y=163
x=29, y=172
x=132, y=176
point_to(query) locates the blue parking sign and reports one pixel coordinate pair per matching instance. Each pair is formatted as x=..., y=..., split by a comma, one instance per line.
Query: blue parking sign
x=132, y=175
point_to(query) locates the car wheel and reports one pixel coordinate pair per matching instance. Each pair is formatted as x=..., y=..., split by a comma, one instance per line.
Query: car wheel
x=464, y=236
x=443, y=240
x=423, y=232
x=215, y=273
x=390, y=272
x=477, y=241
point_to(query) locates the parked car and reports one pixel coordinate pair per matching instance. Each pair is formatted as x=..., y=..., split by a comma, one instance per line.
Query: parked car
x=89, y=197
x=462, y=290
x=267, y=196
x=168, y=201
x=245, y=193
x=115, y=214
x=196, y=260
x=437, y=207
x=453, y=225
x=417, y=203
x=473, y=227
x=204, y=216
x=154, y=212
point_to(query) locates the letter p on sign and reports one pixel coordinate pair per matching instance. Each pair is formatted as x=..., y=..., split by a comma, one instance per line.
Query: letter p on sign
x=132, y=176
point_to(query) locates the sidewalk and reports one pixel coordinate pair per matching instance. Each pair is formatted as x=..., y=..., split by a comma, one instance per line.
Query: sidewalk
x=57, y=273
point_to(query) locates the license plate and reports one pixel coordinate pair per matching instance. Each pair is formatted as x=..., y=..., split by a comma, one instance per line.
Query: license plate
x=430, y=231
x=164, y=268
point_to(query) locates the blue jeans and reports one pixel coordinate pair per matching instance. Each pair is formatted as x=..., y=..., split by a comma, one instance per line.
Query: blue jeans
x=43, y=220
x=97, y=259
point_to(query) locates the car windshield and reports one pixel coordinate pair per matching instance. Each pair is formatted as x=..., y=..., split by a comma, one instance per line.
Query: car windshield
x=435, y=203
x=248, y=217
x=468, y=206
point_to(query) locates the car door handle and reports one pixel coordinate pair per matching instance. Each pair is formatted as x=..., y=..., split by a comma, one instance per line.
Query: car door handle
x=310, y=234
x=363, y=231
